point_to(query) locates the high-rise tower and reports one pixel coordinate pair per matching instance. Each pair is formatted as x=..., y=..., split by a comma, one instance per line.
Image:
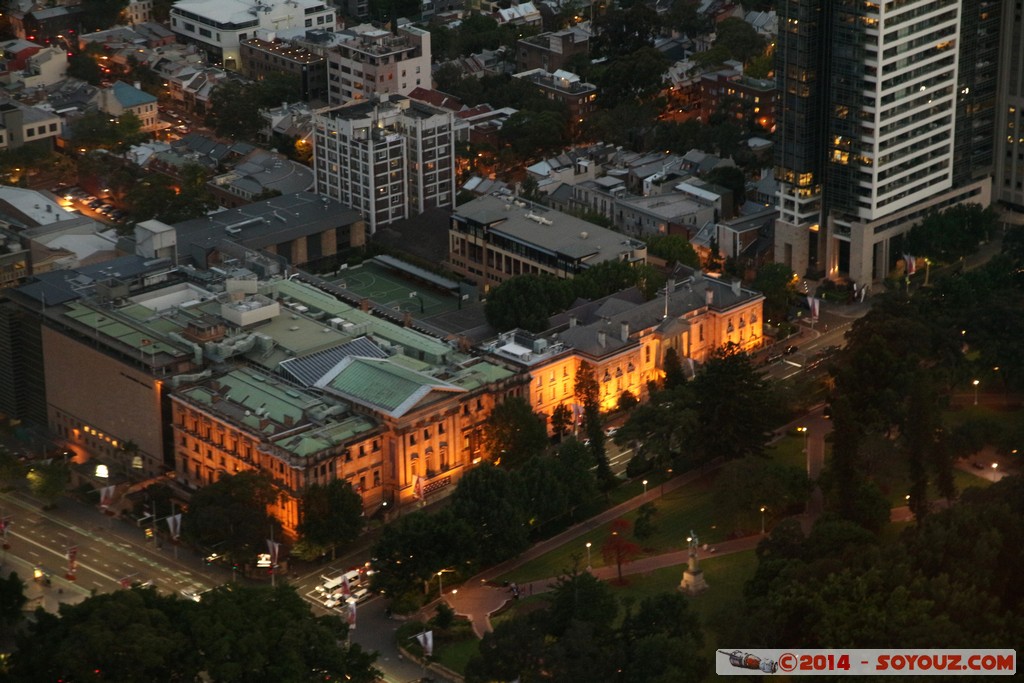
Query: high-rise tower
x=878, y=126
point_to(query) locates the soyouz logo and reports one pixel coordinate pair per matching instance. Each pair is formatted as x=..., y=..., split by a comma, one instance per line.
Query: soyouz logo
x=892, y=662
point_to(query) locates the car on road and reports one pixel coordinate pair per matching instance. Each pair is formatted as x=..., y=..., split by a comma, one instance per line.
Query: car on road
x=791, y=349
x=611, y=431
x=773, y=358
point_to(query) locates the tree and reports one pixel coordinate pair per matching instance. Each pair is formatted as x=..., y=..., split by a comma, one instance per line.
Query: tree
x=414, y=547
x=574, y=463
x=231, y=513
x=494, y=499
x=89, y=640
x=948, y=235
x=617, y=548
x=644, y=527
x=526, y=301
x=282, y=640
x=622, y=32
x=778, y=284
x=740, y=38
x=732, y=179
x=662, y=641
x=332, y=515
x=635, y=77
x=97, y=130
x=99, y=15
x=534, y=134
x=48, y=481
x=83, y=67
x=730, y=397
x=11, y=469
x=674, y=249
x=745, y=485
x=561, y=421
x=513, y=434
x=171, y=639
x=12, y=599
x=674, y=375
x=588, y=394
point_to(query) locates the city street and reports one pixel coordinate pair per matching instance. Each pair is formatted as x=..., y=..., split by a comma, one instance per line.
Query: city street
x=107, y=551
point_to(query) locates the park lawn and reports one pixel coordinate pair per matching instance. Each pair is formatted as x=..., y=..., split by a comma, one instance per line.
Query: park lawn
x=789, y=450
x=1006, y=419
x=680, y=511
x=456, y=654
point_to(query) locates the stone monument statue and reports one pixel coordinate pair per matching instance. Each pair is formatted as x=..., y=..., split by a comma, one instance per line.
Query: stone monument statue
x=693, y=577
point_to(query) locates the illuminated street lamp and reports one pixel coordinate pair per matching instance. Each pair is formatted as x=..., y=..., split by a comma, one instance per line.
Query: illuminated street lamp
x=976, y=383
x=645, y=486
x=762, y=520
x=588, y=555
x=995, y=468
x=807, y=450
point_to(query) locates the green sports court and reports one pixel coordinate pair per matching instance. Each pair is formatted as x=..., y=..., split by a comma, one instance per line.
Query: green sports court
x=419, y=292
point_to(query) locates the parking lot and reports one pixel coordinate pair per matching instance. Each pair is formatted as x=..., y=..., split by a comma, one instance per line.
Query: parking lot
x=91, y=205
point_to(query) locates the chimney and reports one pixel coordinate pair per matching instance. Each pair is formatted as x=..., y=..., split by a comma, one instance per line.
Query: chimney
x=624, y=332
x=407, y=319
x=736, y=287
x=602, y=338
x=364, y=305
x=709, y=296
x=572, y=321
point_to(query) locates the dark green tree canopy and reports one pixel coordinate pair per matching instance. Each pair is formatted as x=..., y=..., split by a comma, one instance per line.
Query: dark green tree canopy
x=674, y=249
x=332, y=514
x=231, y=513
x=235, y=634
x=953, y=233
x=513, y=433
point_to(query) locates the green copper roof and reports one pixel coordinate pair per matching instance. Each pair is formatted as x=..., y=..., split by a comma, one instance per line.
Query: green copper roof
x=381, y=384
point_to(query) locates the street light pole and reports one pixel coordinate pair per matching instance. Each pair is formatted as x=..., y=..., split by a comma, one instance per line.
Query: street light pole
x=588, y=555
x=440, y=584
x=976, y=383
x=645, y=486
x=762, y=520
x=807, y=449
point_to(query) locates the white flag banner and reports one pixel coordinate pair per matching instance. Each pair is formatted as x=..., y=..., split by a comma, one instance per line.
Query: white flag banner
x=174, y=525
x=106, y=495
x=352, y=614
x=274, y=547
x=426, y=640
x=814, y=306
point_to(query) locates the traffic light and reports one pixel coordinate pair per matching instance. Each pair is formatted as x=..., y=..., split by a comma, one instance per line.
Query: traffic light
x=149, y=533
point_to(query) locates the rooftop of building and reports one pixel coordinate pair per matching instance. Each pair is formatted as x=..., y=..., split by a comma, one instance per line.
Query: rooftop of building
x=285, y=50
x=605, y=327
x=548, y=230
x=130, y=96
x=267, y=222
x=295, y=420
x=240, y=11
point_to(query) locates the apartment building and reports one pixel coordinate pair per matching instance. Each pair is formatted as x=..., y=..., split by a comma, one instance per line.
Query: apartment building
x=389, y=158
x=373, y=61
x=267, y=55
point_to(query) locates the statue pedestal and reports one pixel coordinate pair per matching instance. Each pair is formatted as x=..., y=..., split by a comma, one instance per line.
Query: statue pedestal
x=693, y=582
